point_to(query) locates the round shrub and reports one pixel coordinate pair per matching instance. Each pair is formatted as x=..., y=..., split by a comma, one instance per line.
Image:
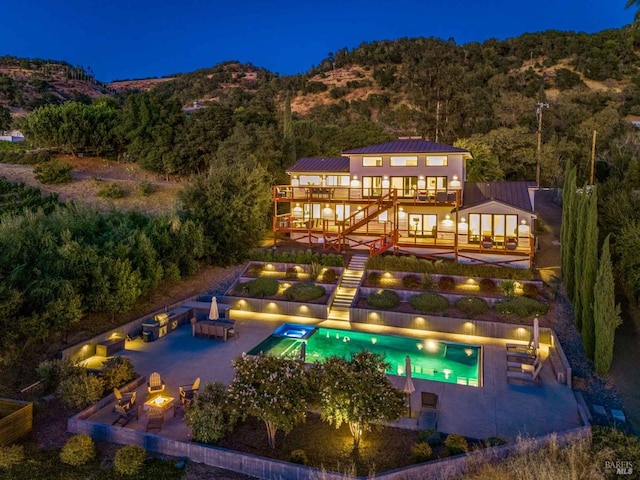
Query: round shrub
x=255, y=269
x=456, y=444
x=78, y=450
x=373, y=278
x=429, y=302
x=411, y=281
x=447, y=284
x=421, y=452
x=80, y=390
x=111, y=190
x=129, y=460
x=260, y=287
x=530, y=291
x=487, y=285
x=53, y=172
x=521, y=307
x=291, y=273
x=329, y=275
x=299, y=456
x=146, y=188
x=384, y=299
x=304, y=292
x=472, y=305
x=11, y=455
x=117, y=371
x=430, y=436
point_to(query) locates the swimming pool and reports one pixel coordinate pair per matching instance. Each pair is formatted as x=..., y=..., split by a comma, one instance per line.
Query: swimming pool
x=430, y=359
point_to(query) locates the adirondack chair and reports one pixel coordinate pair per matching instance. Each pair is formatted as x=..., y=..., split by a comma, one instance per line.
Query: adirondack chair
x=155, y=383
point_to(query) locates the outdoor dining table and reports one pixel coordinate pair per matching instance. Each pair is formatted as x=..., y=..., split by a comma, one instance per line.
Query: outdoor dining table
x=224, y=324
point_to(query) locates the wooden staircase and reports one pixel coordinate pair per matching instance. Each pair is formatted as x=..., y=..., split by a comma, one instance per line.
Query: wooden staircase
x=347, y=289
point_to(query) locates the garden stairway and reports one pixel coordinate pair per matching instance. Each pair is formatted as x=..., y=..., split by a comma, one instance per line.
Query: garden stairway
x=347, y=289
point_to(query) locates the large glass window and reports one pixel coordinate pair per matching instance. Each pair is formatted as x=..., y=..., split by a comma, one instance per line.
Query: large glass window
x=403, y=161
x=405, y=186
x=371, y=161
x=495, y=226
x=437, y=183
x=436, y=160
x=338, y=180
x=423, y=225
x=372, y=186
x=310, y=180
x=342, y=212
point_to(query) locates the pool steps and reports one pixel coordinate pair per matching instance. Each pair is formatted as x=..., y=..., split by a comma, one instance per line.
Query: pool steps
x=347, y=289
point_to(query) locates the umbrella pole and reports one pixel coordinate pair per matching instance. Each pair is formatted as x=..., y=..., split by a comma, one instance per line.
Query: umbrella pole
x=409, y=403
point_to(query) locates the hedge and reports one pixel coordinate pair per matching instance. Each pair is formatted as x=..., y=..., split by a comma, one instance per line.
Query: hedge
x=384, y=299
x=260, y=287
x=521, y=307
x=429, y=302
x=304, y=292
x=472, y=305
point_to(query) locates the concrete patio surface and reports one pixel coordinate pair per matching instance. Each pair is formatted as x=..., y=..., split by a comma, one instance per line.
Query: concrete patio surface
x=497, y=408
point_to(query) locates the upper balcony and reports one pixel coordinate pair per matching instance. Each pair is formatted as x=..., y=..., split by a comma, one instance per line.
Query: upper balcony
x=359, y=194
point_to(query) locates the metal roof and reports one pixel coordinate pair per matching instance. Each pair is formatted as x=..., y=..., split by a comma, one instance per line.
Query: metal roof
x=318, y=164
x=512, y=193
x=407, y=145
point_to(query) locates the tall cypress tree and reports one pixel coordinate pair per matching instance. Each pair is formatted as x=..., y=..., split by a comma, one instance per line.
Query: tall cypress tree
x=605, y=312
x=588, y=274
x=582, y=206
x=566, y=198
x=570, y=240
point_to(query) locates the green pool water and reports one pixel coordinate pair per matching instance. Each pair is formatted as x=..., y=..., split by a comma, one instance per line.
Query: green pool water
x=430, y=359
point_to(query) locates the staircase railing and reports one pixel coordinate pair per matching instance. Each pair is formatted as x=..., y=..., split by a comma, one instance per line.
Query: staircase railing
x=364, y=216
x=385, y=241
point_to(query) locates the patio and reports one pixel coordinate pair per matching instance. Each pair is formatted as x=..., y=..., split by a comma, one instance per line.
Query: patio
x=498, y=408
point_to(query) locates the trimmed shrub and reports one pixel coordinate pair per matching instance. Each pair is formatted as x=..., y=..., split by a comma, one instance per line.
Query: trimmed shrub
x=472, y=305
x=260, y=287
x=291, y=273
x=421, y=452
x=53, y=172
x=11, y=455
x=447, y=284
x=78, y=450
x=373, y=278
x=530, y=291
x=487, y=286
x=429, y=302
x=456, y=444
x=411, y=281
x=508, y=288
x=129, y=460
x=430, y=436
x=384, y=299
x=521, y=307
x=80, y=390
x=299, y=456
x=146, y=188
x=117, y=371
x=268, y=255
x=111, y=190
x=304, y=292
x=329, y=275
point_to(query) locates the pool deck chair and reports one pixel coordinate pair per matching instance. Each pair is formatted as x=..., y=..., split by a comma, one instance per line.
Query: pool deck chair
x=520, y=348
x=429, y=408
x=528, y=373
x=518, y=364
x=155, y=383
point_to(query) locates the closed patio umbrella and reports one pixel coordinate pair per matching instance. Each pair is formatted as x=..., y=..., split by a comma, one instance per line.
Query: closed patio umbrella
x=536, y=334
x=213, y=313
x=409, y=388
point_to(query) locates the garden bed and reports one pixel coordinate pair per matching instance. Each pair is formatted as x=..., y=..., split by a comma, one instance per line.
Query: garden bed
x=330, y=448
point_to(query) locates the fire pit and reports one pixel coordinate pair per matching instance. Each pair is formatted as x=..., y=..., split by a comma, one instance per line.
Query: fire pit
x=159, y=403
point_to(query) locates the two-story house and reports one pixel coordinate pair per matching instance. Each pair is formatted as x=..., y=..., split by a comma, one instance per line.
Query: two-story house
x=409, y=196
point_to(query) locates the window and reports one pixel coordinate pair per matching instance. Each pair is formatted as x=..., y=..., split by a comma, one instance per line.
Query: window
x=495, y=226
x=405, y=186
x=338, y=180
x=403, y=161
x=372, y=186
x=436, y=160
x=342, y=212
x=423, y=225
x=437, y=183
x=311, y=211
x=310, y=180
x=371, y=161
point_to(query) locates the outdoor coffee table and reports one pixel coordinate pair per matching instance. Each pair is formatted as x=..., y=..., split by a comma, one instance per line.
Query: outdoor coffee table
x=159, y=403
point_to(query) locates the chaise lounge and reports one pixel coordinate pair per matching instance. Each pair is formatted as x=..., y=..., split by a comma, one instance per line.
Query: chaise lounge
x=527, y=373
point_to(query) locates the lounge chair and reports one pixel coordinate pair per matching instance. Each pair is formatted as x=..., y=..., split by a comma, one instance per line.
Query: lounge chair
x=126, y=400
x=429, y=407
x=155, y=383
x=522, y=357
x=523, y=363
x=520, y=348
x=487, y=241
x=512, y=243
x=527, y=374
x=187, y=392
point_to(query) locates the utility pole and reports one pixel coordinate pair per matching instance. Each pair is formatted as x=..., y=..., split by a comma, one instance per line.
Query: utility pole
x=539, y=107
x=593, y=157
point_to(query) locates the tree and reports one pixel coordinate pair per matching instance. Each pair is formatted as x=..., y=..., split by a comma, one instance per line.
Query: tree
x=570, y=225
x=357, y=392
x=578, y=261
x=209, y=416
x=5, y=118
x=588, y=275
x=484, y=167
x=231, y=203
x=605, y=311
x=272, y=389
x=627, y=247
